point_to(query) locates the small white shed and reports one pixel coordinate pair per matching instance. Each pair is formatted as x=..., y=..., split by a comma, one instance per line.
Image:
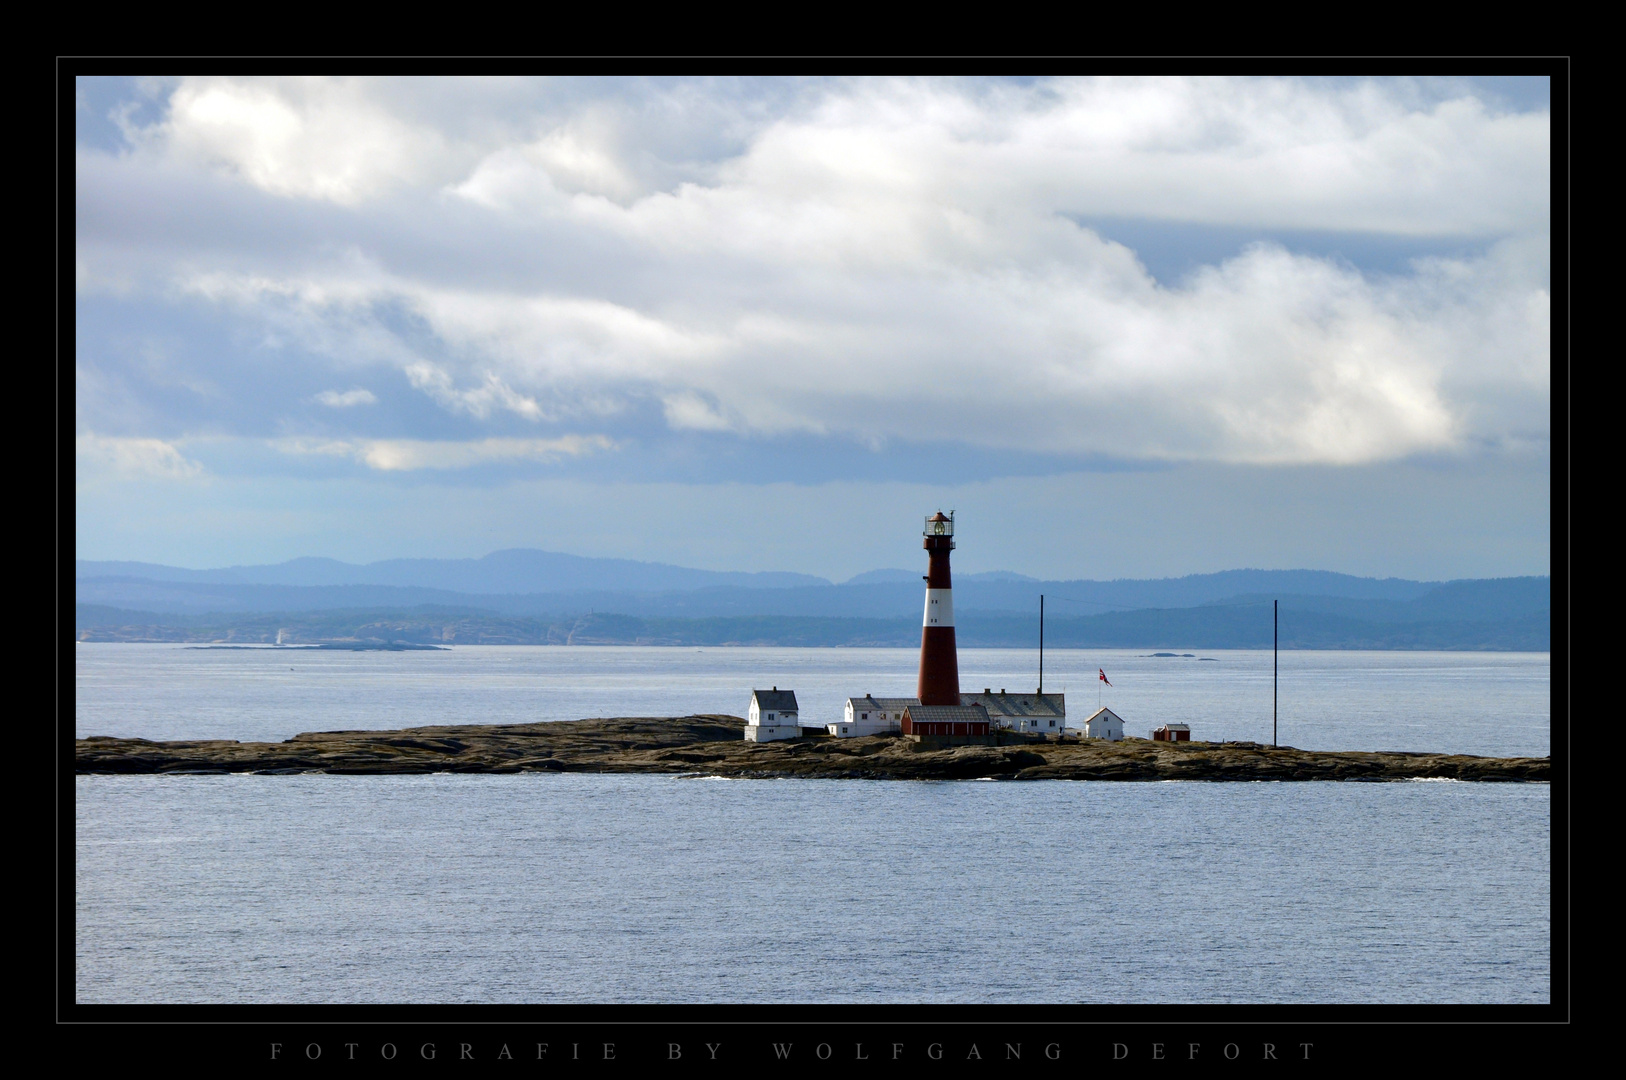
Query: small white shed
x=1104, y=724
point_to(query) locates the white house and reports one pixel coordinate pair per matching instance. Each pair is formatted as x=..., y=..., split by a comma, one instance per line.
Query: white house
x=870, y=715
x=773, y=715
x=1104, y=724
x=1041, y=713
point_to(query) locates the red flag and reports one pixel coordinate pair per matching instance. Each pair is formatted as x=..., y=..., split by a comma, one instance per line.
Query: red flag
x=1103, y=676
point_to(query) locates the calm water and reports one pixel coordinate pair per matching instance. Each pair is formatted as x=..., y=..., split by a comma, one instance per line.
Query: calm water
x=1475, y=703
x=654, y=888
x=669, y=889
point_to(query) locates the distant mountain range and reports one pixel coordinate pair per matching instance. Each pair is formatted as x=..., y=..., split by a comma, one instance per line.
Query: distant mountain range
x=1206, y=627
x=535, y=596
x=518, y=570
x=545, y=583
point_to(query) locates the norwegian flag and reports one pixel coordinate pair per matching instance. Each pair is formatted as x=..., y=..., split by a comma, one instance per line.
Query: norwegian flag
x=1103, y=676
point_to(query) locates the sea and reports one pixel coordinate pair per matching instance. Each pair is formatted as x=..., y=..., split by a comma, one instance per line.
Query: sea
x=579, y=888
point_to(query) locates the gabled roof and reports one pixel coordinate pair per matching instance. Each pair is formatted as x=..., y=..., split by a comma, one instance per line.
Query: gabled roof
x=1105, y=714
x=889, y=704
x=776, y=699
x=1018, y=704
x=956, y=714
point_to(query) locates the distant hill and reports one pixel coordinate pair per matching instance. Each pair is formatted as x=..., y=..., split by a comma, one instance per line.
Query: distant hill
x=876, y=577
x=1455, y=601
x=513, y=595
x=882, y=600
x=1238, y=627
x=520, y=570
x=524, y=571
x=1488, y=598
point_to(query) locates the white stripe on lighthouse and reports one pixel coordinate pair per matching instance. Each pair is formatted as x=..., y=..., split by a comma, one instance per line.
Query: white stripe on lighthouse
x=939, y=607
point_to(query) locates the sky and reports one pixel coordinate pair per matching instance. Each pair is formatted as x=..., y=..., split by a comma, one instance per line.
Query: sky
x=1124, y=327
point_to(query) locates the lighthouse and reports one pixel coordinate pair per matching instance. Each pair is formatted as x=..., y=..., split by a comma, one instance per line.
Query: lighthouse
x=939, y=662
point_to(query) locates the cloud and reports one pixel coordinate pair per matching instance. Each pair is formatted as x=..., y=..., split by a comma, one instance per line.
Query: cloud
x=478, y=402
x=1283, y=153
x=871, y=260
x=335, y=399
x=1286, y=153
x=397, y=455
x=153, y=458
x=308, y=138
x=694, y=413
x=1266, y=358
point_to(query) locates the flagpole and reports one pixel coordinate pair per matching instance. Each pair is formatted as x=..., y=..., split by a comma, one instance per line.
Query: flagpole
x=1041, y=643
x=1275, y=663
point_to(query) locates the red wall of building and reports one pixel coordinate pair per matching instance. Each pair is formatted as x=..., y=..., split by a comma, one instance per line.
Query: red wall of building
x=913, y=727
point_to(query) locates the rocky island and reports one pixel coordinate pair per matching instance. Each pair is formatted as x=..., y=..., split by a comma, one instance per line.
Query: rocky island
x=713, y=745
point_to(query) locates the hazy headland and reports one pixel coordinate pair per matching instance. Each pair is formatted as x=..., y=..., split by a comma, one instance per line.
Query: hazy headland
x=535, y=598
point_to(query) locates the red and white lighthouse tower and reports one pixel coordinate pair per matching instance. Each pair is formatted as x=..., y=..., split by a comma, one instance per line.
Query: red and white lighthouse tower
x=939, y=661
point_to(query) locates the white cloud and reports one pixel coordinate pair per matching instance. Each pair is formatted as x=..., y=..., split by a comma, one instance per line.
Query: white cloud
x=153, y=458
x=307, y=138
x=478, y=402
x=345, y=399
x=396, y=455
x=902, y=156
x=562, y=162
x=1269, y=357
x=898, y=259
x=692, y=412
x=1277, y=152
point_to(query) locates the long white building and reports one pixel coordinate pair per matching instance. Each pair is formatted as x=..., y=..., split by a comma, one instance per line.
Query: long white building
x=871, y=715
x=1044, y=714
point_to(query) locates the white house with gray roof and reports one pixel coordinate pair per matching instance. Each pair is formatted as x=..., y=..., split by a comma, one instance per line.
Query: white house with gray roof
x=1043, y=714
x=773, y=715
x=870, y=715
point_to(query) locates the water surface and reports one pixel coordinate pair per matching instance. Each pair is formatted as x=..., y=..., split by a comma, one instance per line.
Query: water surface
x=604, y=888
x=1474, y=703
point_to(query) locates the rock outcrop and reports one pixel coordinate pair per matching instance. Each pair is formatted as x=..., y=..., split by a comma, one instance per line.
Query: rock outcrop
x=714, y=745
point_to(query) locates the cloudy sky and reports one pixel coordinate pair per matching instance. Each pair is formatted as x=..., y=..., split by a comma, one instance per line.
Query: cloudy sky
x=1125, y=327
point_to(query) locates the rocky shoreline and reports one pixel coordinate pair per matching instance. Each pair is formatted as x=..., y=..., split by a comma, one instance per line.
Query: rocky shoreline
x=714, y=745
